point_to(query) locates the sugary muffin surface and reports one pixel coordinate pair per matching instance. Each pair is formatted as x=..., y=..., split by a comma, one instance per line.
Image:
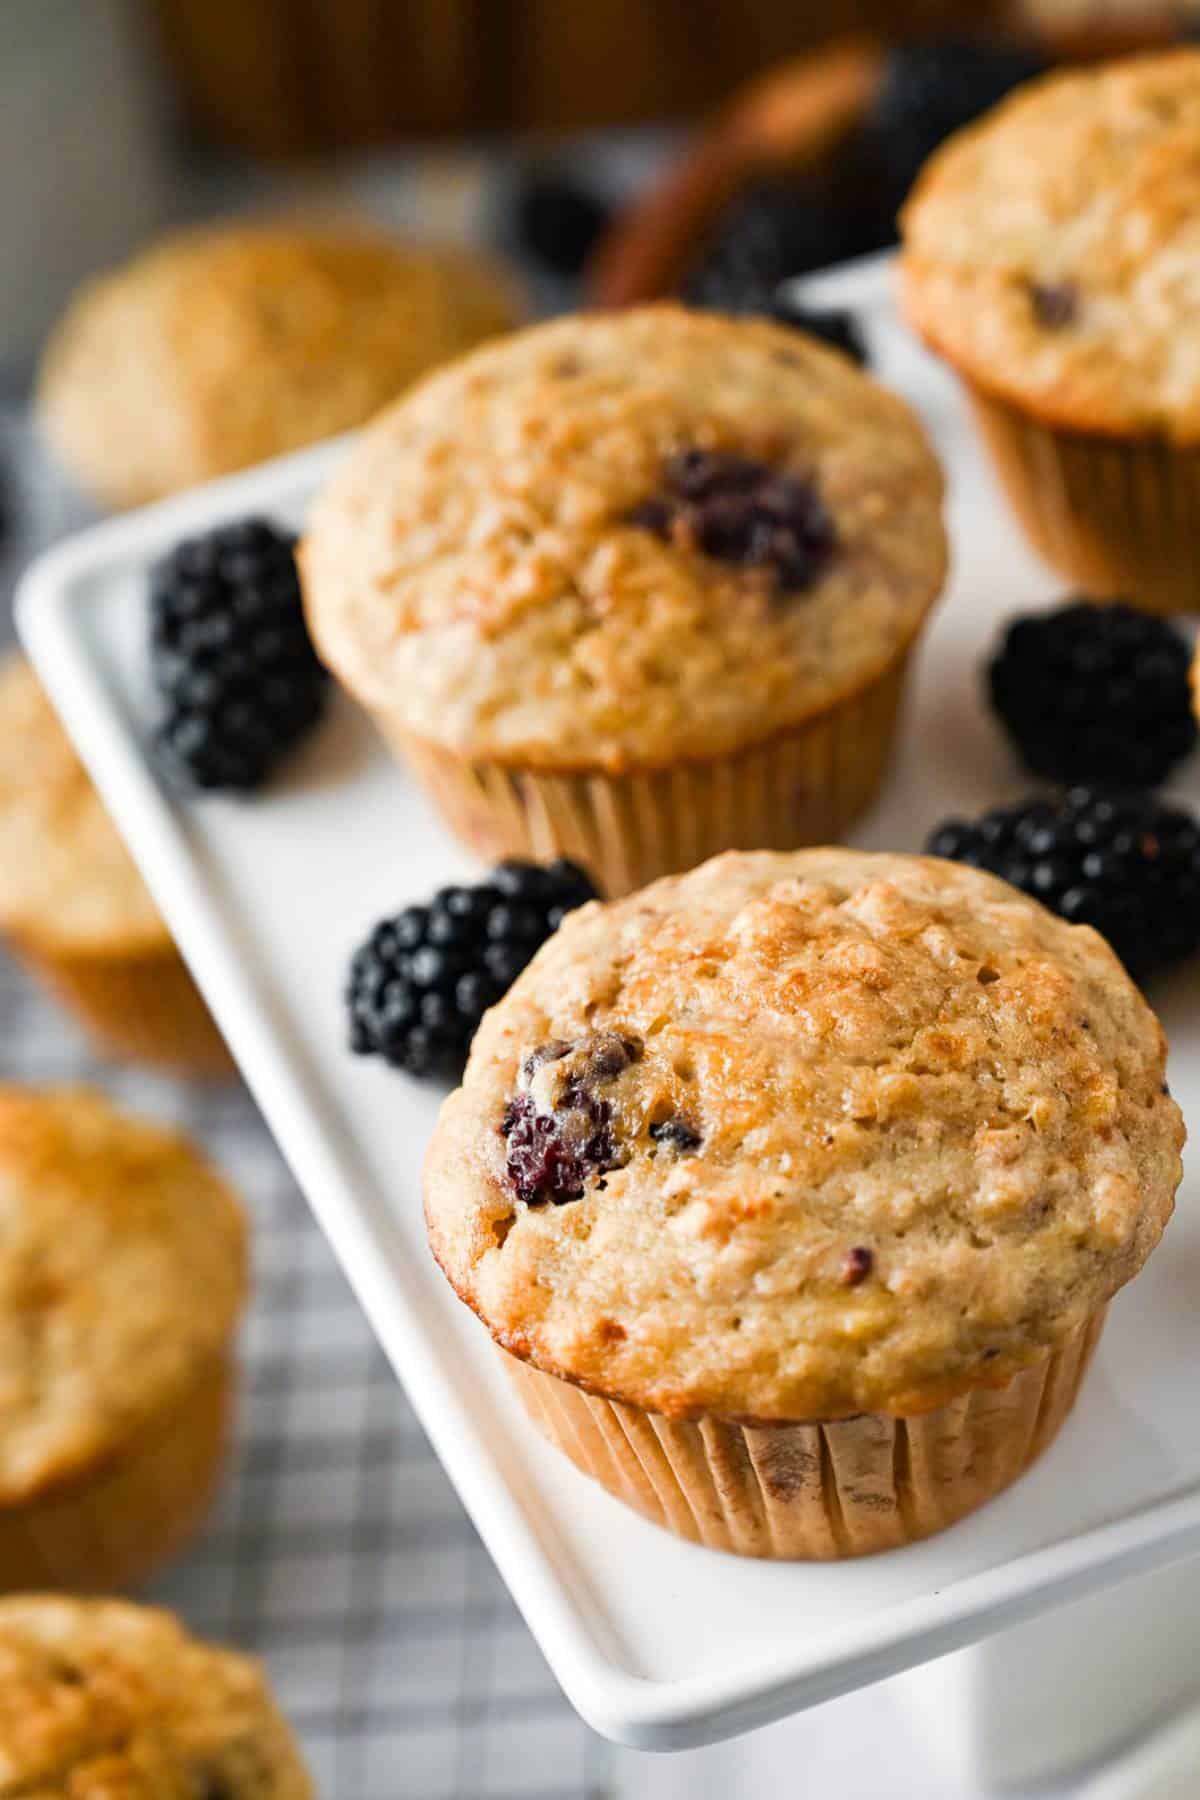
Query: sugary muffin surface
x=1052, y=251
x=122, y=1271
x=66, y=878
x=846, y=1132
x=224, y=345
x=619, y=540
x=104, y=1701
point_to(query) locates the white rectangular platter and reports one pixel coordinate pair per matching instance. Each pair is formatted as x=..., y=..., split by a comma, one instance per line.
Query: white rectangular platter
x=656, y=1642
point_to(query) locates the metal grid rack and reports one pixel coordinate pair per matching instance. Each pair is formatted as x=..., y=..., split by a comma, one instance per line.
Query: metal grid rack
x=338, y=1552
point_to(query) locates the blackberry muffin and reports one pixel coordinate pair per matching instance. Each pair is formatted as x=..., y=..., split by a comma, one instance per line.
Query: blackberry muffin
x=122, y=1278
x=634, y=588
x=1051, y=255
x=99, y=1698
x=221, y=346
x=794, y=1191
x=73, y=907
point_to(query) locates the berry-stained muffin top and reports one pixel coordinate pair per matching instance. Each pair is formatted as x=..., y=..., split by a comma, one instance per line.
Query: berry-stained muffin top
x=66, y=878
x=223, y=345
x=614, y=541
x=798, y=1136
x=1052, y=251
x=122, y=1272
x=99, y=1698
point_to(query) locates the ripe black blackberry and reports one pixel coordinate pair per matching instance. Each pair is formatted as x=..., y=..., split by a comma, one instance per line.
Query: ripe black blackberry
x=557, y=220
x=231, y=655
x=781, y=227
x=929, y=90
x=1095, y=694
x=1119, y=861
x=835, y=325
x=422, y=981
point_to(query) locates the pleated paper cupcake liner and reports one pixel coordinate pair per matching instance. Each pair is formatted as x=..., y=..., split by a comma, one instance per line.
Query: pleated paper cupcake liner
x=105, y=1529
x=805, y=786
x=1120, y=519
x=141, y=1007
x=813, y=1492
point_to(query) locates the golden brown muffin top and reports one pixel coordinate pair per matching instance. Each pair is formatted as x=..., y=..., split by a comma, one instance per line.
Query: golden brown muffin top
x=1052, y=250
x=122, y=1273
x=847, y=1132
x=509, y=563
x=221, y=346
x=100, y=1700
x=67, y=881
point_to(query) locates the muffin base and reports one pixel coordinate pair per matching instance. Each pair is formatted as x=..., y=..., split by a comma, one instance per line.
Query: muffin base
x=805, y=786
x=108, y=1529
x=143, y=1007
x=812, y=1492
x=1120, y=518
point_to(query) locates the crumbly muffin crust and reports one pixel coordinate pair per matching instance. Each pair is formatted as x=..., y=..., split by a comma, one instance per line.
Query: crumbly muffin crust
x=1052, y=250
x=99, y=1699
x=479, y=571
x=122, y=1272
x=66, y=879
x=222, y=346
x=932, y=1138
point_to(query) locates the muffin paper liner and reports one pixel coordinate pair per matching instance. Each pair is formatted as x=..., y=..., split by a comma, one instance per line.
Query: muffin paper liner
x=813, y=1492
x=802, y=787
x=1120, y=518
x=142, y=1007
x=105, y=1529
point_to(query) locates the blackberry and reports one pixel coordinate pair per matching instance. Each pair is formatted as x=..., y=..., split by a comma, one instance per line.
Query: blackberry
x=559, y=1132
x=835, y=325
x=742, y=511
x=231, y=655
x=422, y=981
x=1095, y=694
x=932, y=88
x=783, y=226
x=1120, y=861
x=556, y=220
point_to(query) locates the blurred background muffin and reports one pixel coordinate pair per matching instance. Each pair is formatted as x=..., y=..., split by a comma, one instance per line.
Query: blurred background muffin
x=221, y=347
x=123, y=1274
x=102, y=1698
x=73, y=907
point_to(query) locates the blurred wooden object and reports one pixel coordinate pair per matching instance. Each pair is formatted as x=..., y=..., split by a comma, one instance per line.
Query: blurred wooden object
x=281, y=77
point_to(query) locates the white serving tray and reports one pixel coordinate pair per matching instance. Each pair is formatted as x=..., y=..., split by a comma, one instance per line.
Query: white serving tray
x=657, y=1643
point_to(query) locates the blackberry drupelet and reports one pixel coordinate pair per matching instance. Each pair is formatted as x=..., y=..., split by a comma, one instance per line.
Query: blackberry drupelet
x=1095, y=694
x=1120, y=861
x=930, y=90
x=422, y=981
x=231, y=655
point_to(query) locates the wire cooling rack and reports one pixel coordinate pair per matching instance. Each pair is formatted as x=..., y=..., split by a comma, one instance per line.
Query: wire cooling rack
x=338, y=1552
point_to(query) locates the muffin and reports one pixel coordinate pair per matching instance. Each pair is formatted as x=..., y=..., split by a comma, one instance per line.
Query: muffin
x=73, y=907
x=633, y=588
x=222, y=346
x=99, y=1698
x=794, y=1190
x=1052, y=256
x=122, y=1277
